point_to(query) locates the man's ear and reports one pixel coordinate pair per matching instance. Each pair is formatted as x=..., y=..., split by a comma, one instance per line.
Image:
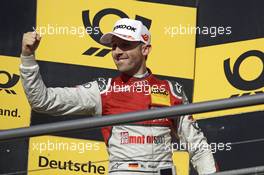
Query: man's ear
x=146, y=49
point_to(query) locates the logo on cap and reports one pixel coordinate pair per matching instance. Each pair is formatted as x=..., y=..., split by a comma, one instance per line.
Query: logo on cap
x=123, y=26
x=145, y=37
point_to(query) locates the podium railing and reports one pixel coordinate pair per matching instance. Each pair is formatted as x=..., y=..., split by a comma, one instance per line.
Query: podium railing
x=95, y=122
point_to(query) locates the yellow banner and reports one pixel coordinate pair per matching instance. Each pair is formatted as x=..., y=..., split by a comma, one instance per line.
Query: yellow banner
x=14, y=108
x=229, y=70
x=66, y=156
x=181, y=160
x=71, y=31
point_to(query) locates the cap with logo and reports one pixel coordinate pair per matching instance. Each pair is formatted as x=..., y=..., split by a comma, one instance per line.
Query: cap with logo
x=128, y=29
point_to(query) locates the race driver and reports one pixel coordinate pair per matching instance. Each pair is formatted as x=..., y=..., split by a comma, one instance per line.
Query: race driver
x=134, y=149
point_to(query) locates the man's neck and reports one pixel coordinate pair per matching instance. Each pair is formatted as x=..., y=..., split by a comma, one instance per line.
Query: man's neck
x=139, y=75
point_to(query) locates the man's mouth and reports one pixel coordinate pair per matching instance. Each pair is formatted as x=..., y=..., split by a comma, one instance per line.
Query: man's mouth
x=121, y=58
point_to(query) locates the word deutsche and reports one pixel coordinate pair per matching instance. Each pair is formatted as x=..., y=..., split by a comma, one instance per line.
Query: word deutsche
x=70, y=165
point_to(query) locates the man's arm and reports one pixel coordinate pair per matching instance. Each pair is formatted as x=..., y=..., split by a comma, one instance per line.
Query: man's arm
x=83, y=99
x=200, y=152
x=192, y=136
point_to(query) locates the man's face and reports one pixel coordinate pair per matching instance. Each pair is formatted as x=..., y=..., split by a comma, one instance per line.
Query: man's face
x=127, y=55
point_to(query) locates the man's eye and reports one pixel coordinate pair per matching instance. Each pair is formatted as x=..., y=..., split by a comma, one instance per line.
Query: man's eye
x=114, y=46
x=124, y=45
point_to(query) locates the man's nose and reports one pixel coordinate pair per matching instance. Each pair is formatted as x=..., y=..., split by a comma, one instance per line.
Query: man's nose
x=118, y=50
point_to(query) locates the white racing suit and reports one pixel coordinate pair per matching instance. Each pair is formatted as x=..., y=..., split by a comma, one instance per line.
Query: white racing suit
x=136, y=149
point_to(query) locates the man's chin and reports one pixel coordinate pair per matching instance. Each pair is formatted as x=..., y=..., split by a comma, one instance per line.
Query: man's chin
x=124, y=70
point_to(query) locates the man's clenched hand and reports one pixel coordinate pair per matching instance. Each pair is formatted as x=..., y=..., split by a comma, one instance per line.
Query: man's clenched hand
x=30, y=43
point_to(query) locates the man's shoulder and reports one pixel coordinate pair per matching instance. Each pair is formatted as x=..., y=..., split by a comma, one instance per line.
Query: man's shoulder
x=172, y=82
x=177, y=89
x=175, y=86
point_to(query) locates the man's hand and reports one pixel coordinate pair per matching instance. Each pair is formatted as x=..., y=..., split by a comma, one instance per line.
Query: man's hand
x=30, y=43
